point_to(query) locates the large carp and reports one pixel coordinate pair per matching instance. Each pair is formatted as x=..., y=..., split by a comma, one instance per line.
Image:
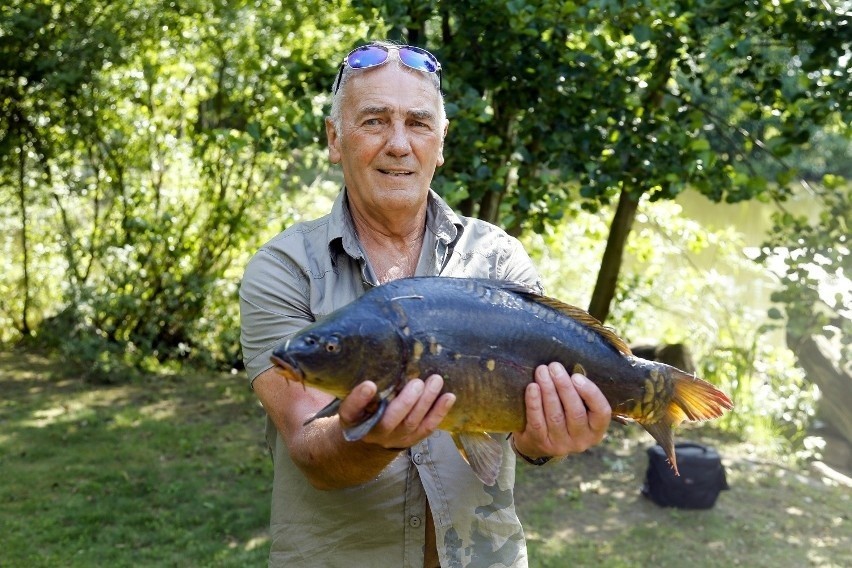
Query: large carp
x=485, y=338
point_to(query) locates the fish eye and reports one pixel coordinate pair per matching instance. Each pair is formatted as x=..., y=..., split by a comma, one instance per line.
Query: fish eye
x=332, y=345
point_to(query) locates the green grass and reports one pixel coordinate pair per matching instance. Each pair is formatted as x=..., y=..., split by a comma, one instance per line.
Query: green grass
x=174, y=471
x=588, y=511
x=165, y=471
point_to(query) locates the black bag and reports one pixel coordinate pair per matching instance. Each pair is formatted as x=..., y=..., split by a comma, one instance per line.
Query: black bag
x=702, y=477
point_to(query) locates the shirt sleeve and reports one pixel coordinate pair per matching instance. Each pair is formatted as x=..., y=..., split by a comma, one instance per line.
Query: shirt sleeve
x=517, y=266
x=274, y=304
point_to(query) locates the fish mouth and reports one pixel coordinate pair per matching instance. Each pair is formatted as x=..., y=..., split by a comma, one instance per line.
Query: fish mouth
x=288, y=369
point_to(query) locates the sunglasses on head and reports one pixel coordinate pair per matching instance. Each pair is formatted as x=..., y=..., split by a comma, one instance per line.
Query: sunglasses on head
x=373, y=55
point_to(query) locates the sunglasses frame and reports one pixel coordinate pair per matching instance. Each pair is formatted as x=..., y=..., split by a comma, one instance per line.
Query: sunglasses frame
x=387, y=50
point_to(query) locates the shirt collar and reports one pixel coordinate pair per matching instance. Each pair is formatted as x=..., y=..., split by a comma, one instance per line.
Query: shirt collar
x=441, y=220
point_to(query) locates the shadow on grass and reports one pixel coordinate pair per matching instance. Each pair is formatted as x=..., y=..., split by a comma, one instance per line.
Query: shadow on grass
x=162, y=471
x=588, y=511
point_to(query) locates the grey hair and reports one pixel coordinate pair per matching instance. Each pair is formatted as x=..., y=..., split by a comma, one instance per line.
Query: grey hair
x=336, y=112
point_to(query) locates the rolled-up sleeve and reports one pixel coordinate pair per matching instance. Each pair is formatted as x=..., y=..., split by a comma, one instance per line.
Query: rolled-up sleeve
x=274, y=304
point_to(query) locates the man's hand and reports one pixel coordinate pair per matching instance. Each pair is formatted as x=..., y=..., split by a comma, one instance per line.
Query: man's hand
x=566, y=414
x=410, y=417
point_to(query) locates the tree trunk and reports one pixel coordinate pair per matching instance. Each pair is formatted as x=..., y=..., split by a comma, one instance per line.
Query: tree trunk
x=822, y=360
x=489, y=207
x=22, y=205
x=622, y=222
x=619, y=230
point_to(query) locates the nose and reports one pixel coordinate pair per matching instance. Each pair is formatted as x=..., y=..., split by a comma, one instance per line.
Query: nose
x=398, y=143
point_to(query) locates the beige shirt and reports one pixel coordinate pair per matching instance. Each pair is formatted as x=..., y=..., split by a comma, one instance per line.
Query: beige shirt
x=305, y=273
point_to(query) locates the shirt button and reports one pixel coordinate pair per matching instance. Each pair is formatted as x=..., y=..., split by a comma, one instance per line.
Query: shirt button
x=414, y=522
x=417, y=458
x=436, y=434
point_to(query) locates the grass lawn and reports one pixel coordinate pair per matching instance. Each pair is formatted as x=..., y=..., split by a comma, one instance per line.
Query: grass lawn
x=173, y=471
x=167, y=471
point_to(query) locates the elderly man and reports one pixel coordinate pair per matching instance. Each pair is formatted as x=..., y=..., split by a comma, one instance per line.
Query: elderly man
x=402, y=495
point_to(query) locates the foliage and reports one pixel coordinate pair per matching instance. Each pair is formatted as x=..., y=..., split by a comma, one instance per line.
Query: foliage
x=147, y=148
x=626, y=99
x=652, y=96
x=153, y=171
x=812, y=258
x=691, y=283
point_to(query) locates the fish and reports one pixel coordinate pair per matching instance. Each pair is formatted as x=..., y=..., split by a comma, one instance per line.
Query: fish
x=485, y=338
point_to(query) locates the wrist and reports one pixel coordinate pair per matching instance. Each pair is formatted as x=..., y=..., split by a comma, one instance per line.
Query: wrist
x=532, y=461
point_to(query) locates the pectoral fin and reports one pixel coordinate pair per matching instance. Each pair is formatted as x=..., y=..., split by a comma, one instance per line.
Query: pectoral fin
x=360, y=430
x=328, y=410
x=483, y=453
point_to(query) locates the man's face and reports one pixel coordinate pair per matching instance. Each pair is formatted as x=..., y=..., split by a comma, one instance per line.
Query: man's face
x=391, y=138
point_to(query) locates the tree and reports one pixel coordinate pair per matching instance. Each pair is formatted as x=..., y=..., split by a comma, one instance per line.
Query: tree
x=624, y=100
x=816, y=296
x=49, y=54
x=150, y=164
x=140, y=141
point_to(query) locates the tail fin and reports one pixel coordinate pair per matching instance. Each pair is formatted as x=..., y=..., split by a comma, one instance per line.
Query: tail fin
x=693, y=400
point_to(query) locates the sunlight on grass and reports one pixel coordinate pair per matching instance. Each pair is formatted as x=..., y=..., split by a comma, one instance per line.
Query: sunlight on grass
x=585, y=512
x=256, y=543
x=158, y=472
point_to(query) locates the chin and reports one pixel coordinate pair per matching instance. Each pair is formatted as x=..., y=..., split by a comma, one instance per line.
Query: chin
x=404, y=195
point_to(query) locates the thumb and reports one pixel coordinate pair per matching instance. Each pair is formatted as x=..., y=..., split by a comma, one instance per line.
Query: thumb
x=352, y=407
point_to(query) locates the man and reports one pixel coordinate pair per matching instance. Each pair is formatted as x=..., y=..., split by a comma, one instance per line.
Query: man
x=401, y=496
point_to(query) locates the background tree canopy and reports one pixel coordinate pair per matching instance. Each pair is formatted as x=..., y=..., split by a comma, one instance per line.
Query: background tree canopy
x=148, y=148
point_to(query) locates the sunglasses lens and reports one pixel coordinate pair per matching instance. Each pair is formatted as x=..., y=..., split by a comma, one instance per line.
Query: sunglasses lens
x=419, y=59
x=367, y=56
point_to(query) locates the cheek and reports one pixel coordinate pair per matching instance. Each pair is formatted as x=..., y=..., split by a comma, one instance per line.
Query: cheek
x=359, y=150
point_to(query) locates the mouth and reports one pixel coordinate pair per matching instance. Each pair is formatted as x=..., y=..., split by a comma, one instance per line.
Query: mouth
x=396, y=173
x=288, y=369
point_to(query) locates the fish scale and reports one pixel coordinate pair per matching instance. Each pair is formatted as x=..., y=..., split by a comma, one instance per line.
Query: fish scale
x=485, y=338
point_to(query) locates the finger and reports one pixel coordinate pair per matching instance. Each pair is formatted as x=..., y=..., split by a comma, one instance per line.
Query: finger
x=535, y=411
x=438, y=412
x=401, y=406
x=551, y=402
x=533, y=439
x=599, y=410
x=431, y=391
x=570, y=400
x=353, y=407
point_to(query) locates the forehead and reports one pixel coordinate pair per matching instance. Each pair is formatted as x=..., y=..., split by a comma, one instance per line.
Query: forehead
x=393, y=86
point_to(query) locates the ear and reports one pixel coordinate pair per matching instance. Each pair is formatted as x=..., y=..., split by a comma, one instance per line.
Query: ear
x=334, y=153
x=443, y=137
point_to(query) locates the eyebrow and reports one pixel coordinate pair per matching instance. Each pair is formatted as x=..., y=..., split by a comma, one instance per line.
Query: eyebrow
x=422, y=114
x=417, y=113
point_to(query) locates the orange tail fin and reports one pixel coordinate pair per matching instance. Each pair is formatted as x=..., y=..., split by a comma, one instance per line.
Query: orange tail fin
x=694, y=400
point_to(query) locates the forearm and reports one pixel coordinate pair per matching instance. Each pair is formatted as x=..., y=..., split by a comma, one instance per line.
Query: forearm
x=318, y=449
x=329, y=462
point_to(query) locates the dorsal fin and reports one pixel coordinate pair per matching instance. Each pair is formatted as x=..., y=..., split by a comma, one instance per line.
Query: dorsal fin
x=578, y=314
